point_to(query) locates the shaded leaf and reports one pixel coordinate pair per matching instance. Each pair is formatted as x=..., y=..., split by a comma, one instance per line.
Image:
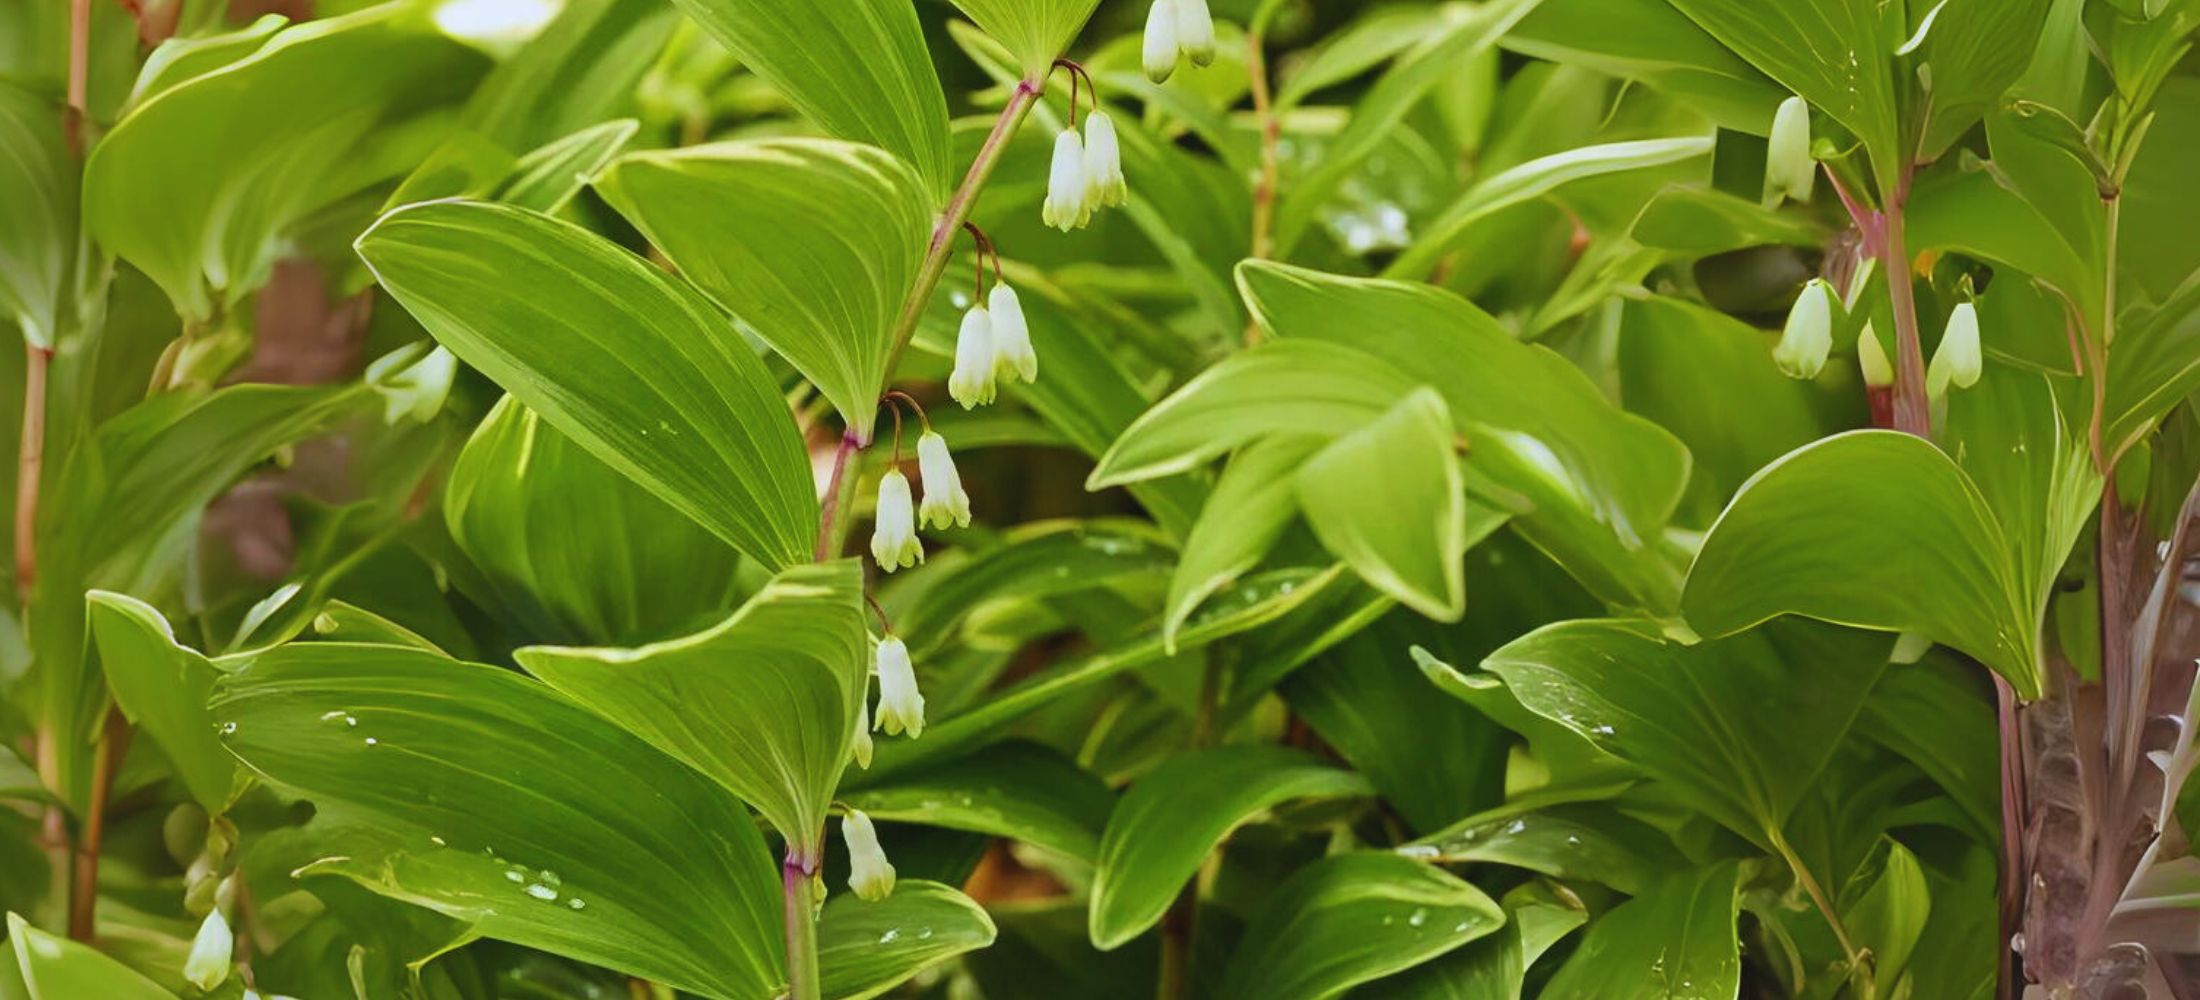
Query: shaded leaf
x=1351, y=918
x=1023, y=791
x=162, y=685
x=865, y=948
x=56, y=968
x=1676, y=940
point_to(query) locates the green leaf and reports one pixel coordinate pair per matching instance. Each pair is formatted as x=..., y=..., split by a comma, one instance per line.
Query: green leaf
x=1253, y=502
x=56, y=968
x=1035, y=31
x=810, y=244
x=1537, y=916
x=1935, y=714
x=1740, y=726
x=857, y=68
x=579, y=71
x=1023, y=791
x=1389, y=500
x=1351, y=918
x=764, y=703
x=1976, y=49
x=162, y=687
x=635, y=367
x=865, y=948
x=1532, y=180
x=1676, y=940
x=545, y=179
x=445, y=776
x=572, y=551
x=1032, y=562
x=1649, y=41
x=38, y=197
x=295, y=122
x=1888, y=916
x=1875, y=529
x=1583, y=841
x=1171, y=818
x=1301, y=387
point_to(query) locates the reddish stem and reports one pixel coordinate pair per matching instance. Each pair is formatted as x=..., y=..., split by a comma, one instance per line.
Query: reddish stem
x=829, y=517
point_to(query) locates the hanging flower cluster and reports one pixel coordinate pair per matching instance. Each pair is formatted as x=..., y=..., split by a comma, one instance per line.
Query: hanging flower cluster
x=894, y=541
x=1087, y=172
x=1177, y=29
x=995, y=342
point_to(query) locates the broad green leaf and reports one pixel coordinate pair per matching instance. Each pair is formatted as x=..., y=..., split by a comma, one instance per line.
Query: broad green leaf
x=631, y=364
x=545, y=179
x=1537, y=916
x=1972, y=213
x=462, y=790
x=570, y=550
x=2152, y=368
x=1348, y=919
x=162, y=687
x=1572, y=841
x=1465, y=33
x=579, y=71
x=857, y=68
x=1836, y=54
x=56, y=968
x=1531, y=180
x=1389, y=500
x=1875, y=529
x=865, y=948
x=1976, y=49
x=1022, y=791
x=196, y=186
x=178, y=59
x=1889, y=915
x=1706, y=221
x=810, y=244
x=1035, y=31
x=1649, y=41
x=1740, y=726
x=1171, y=818
x=1675, y=941
x=1032, y=562
x=1372, y=39
x=38, y=197
x=1301, y=387
x=1937, y=714
x=1254, y=501
x=764, y=703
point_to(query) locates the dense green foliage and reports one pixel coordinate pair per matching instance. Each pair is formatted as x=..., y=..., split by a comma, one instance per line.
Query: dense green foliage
x=1274, y=499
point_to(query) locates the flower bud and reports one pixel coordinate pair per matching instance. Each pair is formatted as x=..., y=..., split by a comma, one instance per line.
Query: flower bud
x=211, y=952
x=1104, y=186
x=412, y=387
x=1012, y=353
x=1195, y=31
x=1957, y=359
x=971, y=383
x=945, y=503
x=863, y=745
x=1872, y=359
x=869, y=873
x=900, y=704
x=894, y=542
x=1067, y=206
x=1789, y=170
x=1808, y=337
x=1162, y=28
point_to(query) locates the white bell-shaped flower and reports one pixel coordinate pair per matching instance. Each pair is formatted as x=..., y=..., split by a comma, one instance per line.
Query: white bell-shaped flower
x=1789, y=170
x=211, y=953
x=894, y=541
x=1808, y=337
x=1163, y=27
x=1957, y=360
x=945, y=503
x=1067, y=206
x=1012, y=352
x=971, y=383
x=1104, y=185
x=863, y=746
x=900, y=704
x=869, y=873
x=1871, y=359
x=1195, y=31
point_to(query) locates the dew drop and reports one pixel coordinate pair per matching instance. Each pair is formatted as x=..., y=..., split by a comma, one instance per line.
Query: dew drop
x=550, y=878
x=228, y=728
x=1419, y=917
x=575, y=903
x=1421, y=851
x=515, y=875
x=542, y=892
x=892, y=935
x=371, y=741
x=438, y=841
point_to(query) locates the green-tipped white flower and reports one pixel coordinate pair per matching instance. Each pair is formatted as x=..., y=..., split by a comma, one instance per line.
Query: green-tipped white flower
x=863, y=745
x=410, y=388
x=1871, y=359
x=1957, y=359
x=1789, y=170
x=971, y=383
x=869, y=873
x=894, y=542
x=1104, y=185
x=211, y=951
x=945, y=503
x=1195, y=31
x=900, y=704
x=1012, y=353
x=1808, y=337
x=1068, y=205
x=1163, y=26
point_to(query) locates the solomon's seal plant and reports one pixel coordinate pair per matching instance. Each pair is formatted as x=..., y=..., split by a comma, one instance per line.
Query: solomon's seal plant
x=1229, y=499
